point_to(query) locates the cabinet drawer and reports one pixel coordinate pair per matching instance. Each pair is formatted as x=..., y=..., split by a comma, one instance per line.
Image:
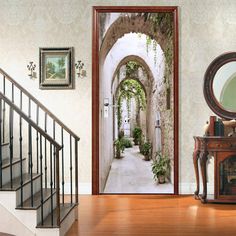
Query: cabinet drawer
x=221, y=145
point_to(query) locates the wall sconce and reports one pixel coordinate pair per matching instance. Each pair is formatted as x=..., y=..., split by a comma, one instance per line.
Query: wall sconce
x=81, y=72
x=31, y=67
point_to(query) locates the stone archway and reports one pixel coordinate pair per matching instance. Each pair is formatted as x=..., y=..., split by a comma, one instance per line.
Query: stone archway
x=135, y=23
x=138, y=59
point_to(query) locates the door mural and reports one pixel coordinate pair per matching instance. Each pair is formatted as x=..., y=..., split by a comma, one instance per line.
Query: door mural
x=135, y=100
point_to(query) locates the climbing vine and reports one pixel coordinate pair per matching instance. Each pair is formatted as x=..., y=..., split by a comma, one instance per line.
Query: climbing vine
x=162, y=22
x=130, y=88
x=131, y=67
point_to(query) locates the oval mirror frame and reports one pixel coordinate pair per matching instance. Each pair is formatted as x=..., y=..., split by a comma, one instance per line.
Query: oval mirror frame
x=209, y=76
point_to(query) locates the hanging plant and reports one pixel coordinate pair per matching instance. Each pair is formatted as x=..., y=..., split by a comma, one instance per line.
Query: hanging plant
x=148, y=43
x=154, y=44
x=129, y=89
x=131, y=67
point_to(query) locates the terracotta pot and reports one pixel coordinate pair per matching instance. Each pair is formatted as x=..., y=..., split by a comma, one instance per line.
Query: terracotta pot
x=161, y=179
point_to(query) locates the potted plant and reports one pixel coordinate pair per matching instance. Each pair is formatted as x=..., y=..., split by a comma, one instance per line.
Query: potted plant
x=126, y=142
x=161, y=168
x=137, y=133
x=147, y=150
x=141, y=142
x=119, y=146
x=121, y=134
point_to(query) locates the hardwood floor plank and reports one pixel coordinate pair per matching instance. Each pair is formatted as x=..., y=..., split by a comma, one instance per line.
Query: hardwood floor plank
x=143, y=215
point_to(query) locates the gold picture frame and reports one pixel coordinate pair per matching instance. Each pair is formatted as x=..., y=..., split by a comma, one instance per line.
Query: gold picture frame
x=56, y=68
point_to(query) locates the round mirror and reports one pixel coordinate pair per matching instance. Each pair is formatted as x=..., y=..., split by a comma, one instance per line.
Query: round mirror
x=220, y=85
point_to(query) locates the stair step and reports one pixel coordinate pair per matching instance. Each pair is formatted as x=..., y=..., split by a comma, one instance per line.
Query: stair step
x=6, y=162
x=37, y=199
x=65, y=209
x=16, y=182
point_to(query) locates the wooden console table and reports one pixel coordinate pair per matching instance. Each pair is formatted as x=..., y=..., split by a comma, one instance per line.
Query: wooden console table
x=221, y=148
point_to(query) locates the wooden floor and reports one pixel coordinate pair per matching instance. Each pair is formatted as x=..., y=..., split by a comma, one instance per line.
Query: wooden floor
x=107, y=215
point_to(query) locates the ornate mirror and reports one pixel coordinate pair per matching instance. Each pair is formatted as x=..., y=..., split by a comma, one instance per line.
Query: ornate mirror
x=220, y=85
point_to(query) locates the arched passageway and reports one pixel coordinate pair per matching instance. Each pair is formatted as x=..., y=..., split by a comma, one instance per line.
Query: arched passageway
x=126, y=38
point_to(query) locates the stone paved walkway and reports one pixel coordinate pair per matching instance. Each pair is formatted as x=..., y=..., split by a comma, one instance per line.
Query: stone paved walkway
x=131, y=174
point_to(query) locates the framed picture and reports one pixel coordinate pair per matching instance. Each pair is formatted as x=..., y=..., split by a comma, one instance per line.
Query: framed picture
x=56, y=68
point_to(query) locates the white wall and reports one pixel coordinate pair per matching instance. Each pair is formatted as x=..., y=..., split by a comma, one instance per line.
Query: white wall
x=206, y=29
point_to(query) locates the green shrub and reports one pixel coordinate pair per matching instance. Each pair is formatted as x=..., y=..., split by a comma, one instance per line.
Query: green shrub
x=126, y=142
x=121, y=134
x=137, y=133
x=147, y=150
x=119, y=147
x=161, y=166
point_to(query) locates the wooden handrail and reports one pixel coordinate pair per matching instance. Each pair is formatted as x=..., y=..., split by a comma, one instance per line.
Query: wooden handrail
x=39, y=104
x=32, y=123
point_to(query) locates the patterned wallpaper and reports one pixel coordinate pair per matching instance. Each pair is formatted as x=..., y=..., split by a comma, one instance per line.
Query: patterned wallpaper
x=206, y=29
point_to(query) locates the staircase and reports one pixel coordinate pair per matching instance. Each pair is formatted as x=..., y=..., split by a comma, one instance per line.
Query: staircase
x=38, y=166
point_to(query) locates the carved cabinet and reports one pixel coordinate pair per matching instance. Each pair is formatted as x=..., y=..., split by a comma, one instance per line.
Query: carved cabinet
x=223, y=150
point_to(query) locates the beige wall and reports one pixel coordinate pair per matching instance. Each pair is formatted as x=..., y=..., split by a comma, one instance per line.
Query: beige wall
x=206, y=27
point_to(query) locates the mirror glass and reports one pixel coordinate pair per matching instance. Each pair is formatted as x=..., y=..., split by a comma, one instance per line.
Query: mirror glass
x=224, y=86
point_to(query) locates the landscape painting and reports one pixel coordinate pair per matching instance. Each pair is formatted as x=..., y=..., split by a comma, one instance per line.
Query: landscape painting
x=55, y=67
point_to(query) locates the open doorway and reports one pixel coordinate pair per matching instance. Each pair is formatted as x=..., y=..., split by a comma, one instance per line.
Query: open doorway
x=135, y=100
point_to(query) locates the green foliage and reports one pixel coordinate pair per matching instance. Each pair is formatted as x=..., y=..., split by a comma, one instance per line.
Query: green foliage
x=119, y=145
x=119, y=112
x=162, y=21
x=126, y=142
x=121, y=134
x=141, y=142
x=50, y=69
x=160, y=166
x=137, y=134
x=130, y=88
x=131, y=67
x=147, y=149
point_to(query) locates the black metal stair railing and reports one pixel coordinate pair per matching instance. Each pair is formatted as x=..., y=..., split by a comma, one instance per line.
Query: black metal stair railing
x=32, y=172
x=53, y=127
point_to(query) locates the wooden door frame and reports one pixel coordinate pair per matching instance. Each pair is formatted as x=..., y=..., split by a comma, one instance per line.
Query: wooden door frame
x=95, y=87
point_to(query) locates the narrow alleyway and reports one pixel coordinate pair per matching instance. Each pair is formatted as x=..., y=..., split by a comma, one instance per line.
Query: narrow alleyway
x=131, y=174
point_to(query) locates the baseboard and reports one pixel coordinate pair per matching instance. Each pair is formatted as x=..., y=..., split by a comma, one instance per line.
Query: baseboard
x=84, y=188
x=184, y=188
